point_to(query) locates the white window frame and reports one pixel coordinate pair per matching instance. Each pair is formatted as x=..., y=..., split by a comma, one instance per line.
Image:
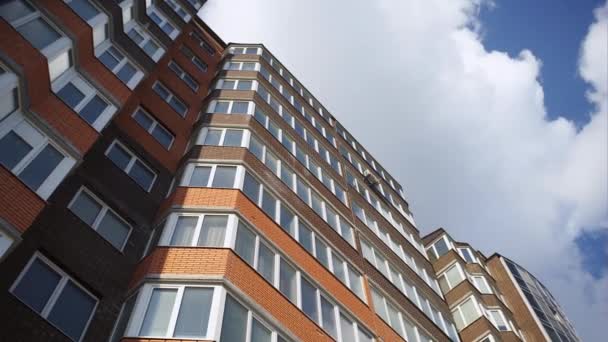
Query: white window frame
x=241, y=65
x=175, y=6
x=143, y=299
x=479, y=277
x=220, y=84
x=432, y=245
x=447, y=279
x=170, y=97
x=132, y=24
x=154, y=124
x=57, y=53
x=136, y=78
x=183, y=75
x=202, y=135
x=102, y=213
x=213, y=104
x=38, y=140
x=460, y=251
x=189, y=170
x=164, y=20
x=457, y=310
x=171, y=222
x=89, y=91
x=502, y=316
x=50, y=304
x=129, y=166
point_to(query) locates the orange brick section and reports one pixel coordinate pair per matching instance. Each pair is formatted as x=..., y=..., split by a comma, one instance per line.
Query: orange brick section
x=18, y=204
x=227, y=198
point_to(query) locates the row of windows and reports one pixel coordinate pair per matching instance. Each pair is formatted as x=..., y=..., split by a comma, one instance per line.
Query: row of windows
x=297, y=288
x=342, y=132
x=325, y=132
x=395, y=246
x=144, y=40
x=132, y=165
x=401, y=322
x=455, y=274
x=229, y=176
x=191, y=311
x=374, y=201
x=381, y=263
x=300, y=129
x=470, y=309
x=217, y=230
x=162, y=21
x=311, y=241
x=282, y=171
x=290, y=144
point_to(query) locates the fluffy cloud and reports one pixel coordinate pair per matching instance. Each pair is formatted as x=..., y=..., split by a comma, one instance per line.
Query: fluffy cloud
x=464, y=129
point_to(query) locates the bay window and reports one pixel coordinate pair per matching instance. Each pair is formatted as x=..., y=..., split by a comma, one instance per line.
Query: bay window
x=466, y=312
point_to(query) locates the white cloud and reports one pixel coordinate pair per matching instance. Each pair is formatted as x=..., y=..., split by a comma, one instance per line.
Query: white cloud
x=462, y=128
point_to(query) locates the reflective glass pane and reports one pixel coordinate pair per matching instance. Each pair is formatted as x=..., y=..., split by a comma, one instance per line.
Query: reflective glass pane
x=305, y=237
x=193, y=316
x=70, y=95
x=309, y=300
x=41, y=167
x=213, y=137
x=239, y=107
x=251, y=188
x=288, y=220
x=224, y=177
x=119, y=156
x=13, y=149
x=15, y=9
x=142, y=175
x=93, y=109
x=347, y=328
x=84, y=9
x=213, y=231
x=126, y=72
x=163, y=136
x=266, y=263
x=269, y=204
x=200, y=176
x=113, y=229
x=142, y=119
x=234, y=324
x=184, y=231
x=37, y=285
x=86, y=208
x=158, y=313
x=72, y=310
x=245, y=244
x=287, y=281
x=260, y=333
x=233, y=137
x=39, y=33
x=329, y=318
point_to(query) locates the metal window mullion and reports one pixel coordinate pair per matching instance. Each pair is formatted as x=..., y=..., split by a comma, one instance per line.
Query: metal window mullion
x=197, y=229
x=54, y=296
x=175, y=311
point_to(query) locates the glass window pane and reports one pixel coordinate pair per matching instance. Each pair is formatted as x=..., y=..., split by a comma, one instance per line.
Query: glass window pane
x=84, y=9
x=162, y=136
x=355, y=283
x=234, y=324
x=126, y=72
x=272, y=162
x=251, y=188
x=72, y=310
x=379, y=305
x=119, y=156
x=305, y=237
x=260, y=333
x=12, y=10
x=287, y=281
x=39, y=33
x=245, y=244
x=244, y=85
x=287, y=175
x=365, y=337
x=269, y=204
x=193, y=316
x=266, y=263
x=329, y=318
x=394, y=319
x=13, y=149
x=156, y=319
x=224, y=177
x=302, y=190
x=309, y=300
x=339, y=267
x=150, y=48
x=37, y=285
x=468, y=311
x=221, y=107
x=184, y=231
x=321, y=250
x=239, y=107
x=137, y=38
x=142, y=119
x=142, y=175
x=113, y=229
x=213, y=231
x=161, y=91
x=441, y=246
x=41, y=167
x=200, y=176
x=228, y=84
x=213, y=137
x=233, y=137
x=93, y=109
x=109, y=59
x=70, y=95
x=288, y=220
x=347, y=328
x=178, y=105
x=316, y=204
x=86, y=208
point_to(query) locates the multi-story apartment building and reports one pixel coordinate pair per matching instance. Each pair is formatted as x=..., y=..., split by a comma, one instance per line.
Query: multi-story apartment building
x=159, y=184
x=494, y=299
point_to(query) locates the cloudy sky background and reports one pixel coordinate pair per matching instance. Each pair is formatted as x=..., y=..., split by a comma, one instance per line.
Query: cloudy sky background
x=463, y=128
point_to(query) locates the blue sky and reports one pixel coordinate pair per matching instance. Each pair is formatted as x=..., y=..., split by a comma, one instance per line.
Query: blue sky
x=553, y=30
